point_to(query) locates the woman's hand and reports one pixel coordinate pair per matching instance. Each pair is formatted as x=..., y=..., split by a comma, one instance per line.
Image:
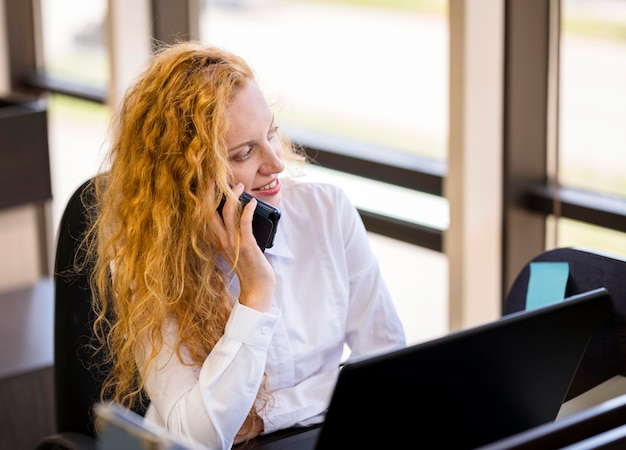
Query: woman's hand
x=256, y=277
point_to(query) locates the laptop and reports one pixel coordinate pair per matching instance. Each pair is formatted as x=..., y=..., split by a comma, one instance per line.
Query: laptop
x=463, y=390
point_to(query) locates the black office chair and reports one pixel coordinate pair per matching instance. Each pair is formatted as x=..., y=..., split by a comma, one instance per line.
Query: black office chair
x=598, y=426
x=605, y=356
x=77, y=377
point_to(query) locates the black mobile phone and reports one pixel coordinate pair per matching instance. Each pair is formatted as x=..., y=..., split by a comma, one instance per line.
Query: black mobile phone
x=264, y=221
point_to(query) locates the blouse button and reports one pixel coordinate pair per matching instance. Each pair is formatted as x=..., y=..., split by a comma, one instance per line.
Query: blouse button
x=265, y=330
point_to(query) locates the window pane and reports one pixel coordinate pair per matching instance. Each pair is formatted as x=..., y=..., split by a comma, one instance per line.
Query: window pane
x=74, y=40
x=593, y=95
x=77, y=134
x=74, y=49
x=386, y=199
x=368, y=70
x=592, y=147
x=574, y=233
x=417, y=279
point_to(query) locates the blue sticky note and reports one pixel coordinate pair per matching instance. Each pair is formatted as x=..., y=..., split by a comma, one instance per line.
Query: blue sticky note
x=547, y=283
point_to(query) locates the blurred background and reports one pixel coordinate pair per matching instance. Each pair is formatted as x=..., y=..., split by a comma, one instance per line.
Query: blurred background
x=366, y=86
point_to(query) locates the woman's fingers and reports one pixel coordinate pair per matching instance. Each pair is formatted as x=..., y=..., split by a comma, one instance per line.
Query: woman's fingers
x=234, y=232
x=230, y=227
x=224, y=221
x=230, y=210
x=245, y=222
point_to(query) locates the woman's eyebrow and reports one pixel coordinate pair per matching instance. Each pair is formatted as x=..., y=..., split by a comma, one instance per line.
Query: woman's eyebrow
x=251, y=141
x=242, y=144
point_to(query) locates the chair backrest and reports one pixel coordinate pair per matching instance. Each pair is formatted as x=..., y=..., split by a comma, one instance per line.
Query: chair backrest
x=78, y=375
x=605, y=356
x=77, y=381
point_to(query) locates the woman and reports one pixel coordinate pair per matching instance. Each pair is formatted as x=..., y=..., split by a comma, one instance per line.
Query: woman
x=226, y=342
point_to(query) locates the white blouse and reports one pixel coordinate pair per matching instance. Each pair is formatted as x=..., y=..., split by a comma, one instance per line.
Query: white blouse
x=329, y=292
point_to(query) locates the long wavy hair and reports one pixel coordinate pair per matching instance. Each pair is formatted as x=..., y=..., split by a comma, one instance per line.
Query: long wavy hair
x=148, y=243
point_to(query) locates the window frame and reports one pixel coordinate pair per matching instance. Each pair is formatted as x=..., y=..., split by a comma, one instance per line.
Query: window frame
x=528, y=197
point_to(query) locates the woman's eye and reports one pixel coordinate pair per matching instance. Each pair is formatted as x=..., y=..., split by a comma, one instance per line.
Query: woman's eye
x=272, y=133
x=243, y=154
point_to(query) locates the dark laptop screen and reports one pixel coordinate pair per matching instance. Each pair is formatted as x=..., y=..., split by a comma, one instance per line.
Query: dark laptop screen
x=468, y=388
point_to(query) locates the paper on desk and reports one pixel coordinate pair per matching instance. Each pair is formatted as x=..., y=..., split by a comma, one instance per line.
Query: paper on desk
x=546, y=284
x=611, y=388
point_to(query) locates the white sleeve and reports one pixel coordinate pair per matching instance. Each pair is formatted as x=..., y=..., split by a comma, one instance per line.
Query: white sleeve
x=208, y=405
x=301, y=405
x=373, y=324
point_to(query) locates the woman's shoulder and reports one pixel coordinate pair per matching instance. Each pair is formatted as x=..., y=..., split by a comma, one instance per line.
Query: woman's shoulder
x=319, y=199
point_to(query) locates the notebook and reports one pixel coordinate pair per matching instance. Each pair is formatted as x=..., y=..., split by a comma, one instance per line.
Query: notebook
x=462, y=390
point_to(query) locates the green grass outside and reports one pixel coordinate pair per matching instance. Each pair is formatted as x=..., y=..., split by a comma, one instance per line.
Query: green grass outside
x=419, y=6
x=578, y=21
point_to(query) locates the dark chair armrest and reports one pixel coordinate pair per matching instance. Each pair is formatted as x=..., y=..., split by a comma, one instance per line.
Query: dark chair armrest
x=68, y=441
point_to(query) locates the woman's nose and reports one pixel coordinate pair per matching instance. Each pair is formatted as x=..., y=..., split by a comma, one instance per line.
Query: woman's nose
x=272, y=160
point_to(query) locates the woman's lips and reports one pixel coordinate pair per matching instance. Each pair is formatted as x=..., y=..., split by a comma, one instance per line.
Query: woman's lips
x=268, y=190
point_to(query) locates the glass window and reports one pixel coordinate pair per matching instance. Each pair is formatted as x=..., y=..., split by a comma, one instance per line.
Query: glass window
x=74, y=49
x=574, y=233
x=76, y=139
x=592, y=143
x=371, y=71
x=418, y=282
x=74, y=40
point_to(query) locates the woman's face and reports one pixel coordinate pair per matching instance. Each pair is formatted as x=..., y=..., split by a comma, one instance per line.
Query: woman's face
x=255, y=152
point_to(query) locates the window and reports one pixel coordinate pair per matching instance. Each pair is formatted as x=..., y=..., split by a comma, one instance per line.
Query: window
x=373, y=73
x=73, y=49
x=592, y=143
x=74, y=40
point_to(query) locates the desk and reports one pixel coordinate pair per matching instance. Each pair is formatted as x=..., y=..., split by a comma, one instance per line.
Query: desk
x=272, y=437
x=26, y=365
